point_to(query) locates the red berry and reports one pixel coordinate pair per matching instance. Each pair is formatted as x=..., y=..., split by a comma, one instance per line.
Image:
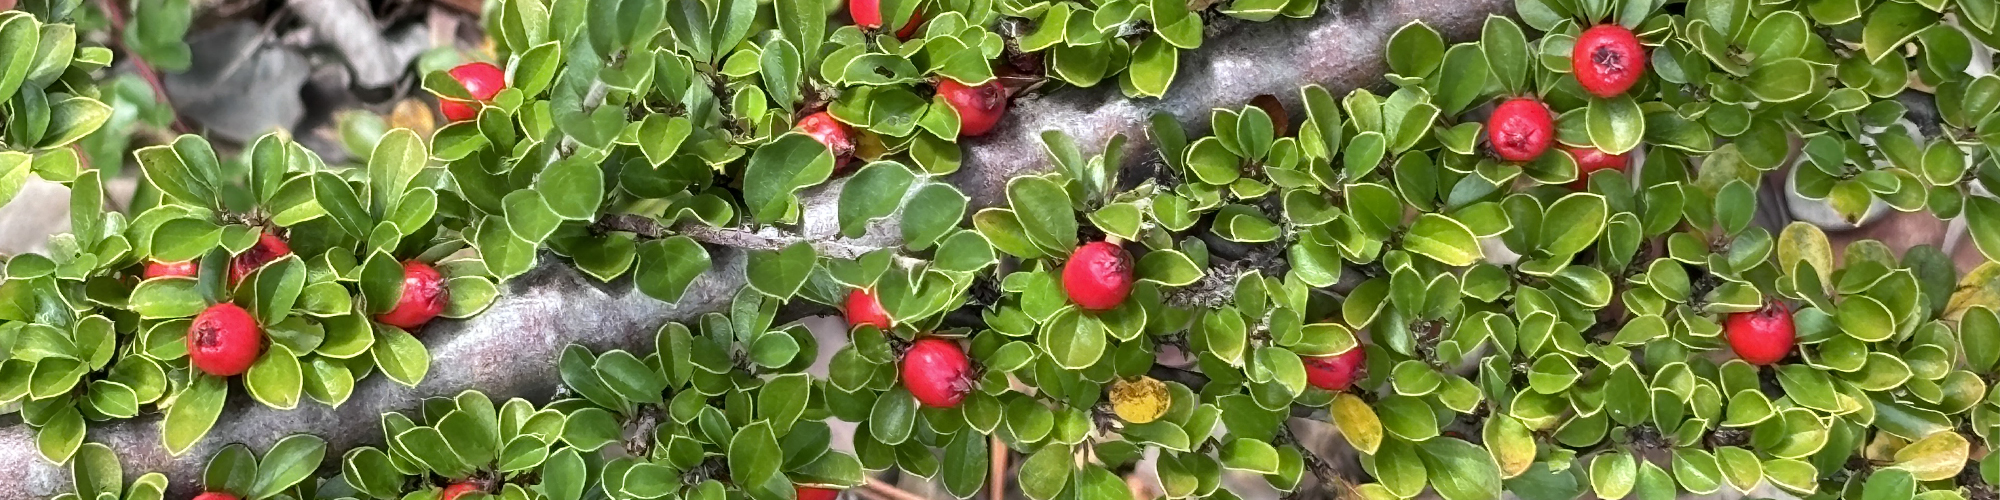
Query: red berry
x=812, y=493
x=455, y=490
x=157, y=269
x=864, y=309
x=1589, y=160
x=1520, y=129
x=1763, y=336
x=867, y=14
x=215, y=495
x=1336, y=372
x=481, y=80
x=1607, y=60
x=424, y=297
x=835, y=135
x=1098, y=276
x=979, y=108
x=224, y=340
x=269, y=248
x=937, y=372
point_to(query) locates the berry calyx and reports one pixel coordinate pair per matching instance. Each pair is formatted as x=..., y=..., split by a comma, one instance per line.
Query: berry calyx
x=1520, y=129
x=864, y=309
x=481, y=80
x=1336, y=372
x=215, y=495
x=867, y=15
x=424, y=297
x=1098, y=276
x=1588, y=160
x=455, y=490
x=1763, y=336
x=814, y=493
x=1607, y=59
x=183, y=269
x=937, y=372
x=835, y=135
x=224, y=340
x=269, y=248
x=979, y=107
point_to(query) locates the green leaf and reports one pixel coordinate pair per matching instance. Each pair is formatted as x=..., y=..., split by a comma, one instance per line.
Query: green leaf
x=1460, y=470
x=1044, y=474
x=1506, y=51
x=780, y=168
x=780, y=273
x=872, y=193
x=293, y=459
x=1782, y=80
x=402, y=357
x=1890, y=25
x=572, y=187
x=71, y=119
x=167, y=298
x=754, y=455
x=1415, y=50
x=1044, y=212
x=396, y=160
x=193, y=412
x=1616, y=124
x=667, y=266
x=1443, y=239
x=274, y=379
x=1581, y=219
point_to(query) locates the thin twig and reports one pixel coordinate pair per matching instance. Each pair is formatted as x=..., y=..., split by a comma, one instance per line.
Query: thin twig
x=649, y=228
x=996, y=486
x=875, y=489
x=116, y=15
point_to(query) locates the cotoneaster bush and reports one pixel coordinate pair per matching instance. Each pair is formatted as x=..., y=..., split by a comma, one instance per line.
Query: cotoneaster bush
x=1521, y=313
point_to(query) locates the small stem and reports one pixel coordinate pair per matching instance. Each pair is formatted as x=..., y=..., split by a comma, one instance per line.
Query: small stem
x=878, y=490
x=996, y=486
x=116, y=16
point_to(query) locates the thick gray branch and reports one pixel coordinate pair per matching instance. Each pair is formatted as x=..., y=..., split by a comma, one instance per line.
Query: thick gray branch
x=1341, y=49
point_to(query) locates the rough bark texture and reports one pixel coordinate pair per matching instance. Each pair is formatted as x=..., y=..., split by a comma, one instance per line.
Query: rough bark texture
x=509, y=350
x=1341, y=49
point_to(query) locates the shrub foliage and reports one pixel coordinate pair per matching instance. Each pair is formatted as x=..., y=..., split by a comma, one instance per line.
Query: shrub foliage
x=1527, y=326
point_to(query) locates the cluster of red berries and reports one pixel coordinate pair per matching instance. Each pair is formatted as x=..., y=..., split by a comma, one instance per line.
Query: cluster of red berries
x=1607, y=60
x=224, y=339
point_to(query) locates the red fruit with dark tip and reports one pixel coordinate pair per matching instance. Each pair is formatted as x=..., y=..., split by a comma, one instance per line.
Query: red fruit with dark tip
x=835, y=135
x=1336, y=372
x=937, y=372
x=864, y=309
x=1520, y=129
x=1098, y=276
x=811, y=493
x=1763, y=336
x=1607, y=59
x=456, y=490
x=1591, y=160
x=424, y=297
x=224, y=340
x=867, y=14
x=215, y=495
x=184, y=269
x=269, y=248
x=481, y=80
x=979, y=107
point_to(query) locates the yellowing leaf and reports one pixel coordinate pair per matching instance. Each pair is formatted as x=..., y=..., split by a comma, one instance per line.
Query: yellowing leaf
x=1358, y=422
x=1140, y=400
